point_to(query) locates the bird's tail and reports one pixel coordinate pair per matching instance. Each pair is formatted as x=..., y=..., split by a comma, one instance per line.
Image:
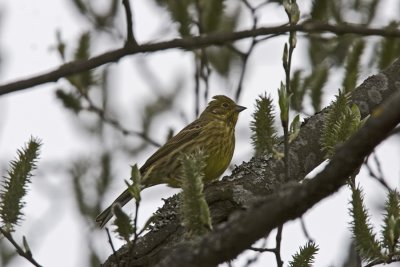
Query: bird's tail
x=107, y=214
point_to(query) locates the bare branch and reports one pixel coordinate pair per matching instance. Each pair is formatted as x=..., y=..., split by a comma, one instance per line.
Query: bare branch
x=114, y=123
x=20, y=251
x=112, y=246
x=130, y=37
x=217, y=38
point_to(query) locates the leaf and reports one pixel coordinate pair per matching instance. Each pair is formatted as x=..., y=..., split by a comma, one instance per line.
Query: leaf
x=366, y=243
x=388, y=48
x=14, y=186
x=284, y=101
x=135, y=187
x=179, y=10
x=391, y=225
x=353, y=65
x=341, y=121
x=317, y=81
x=319, y=10
x=305, y=257
x=123, y=223
x=70, y=100
x=264, y=136
x=211, y=14
x=294, y=128
x=194, y=209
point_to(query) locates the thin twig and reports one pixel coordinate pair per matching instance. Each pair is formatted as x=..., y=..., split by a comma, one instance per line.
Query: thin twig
x=196, y=87
x=135, y=235
x=263, y=249
x=130, y=37
x=20, y=251
x=245, y=56
x=304, y=228
x=379, y=177
x=278, y=239
x=114, y=123
x=256, y=256
x=112, y=247
x=189, y=43
x=205, y=73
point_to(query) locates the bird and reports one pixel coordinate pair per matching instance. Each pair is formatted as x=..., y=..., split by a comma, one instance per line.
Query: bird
x=213, y=132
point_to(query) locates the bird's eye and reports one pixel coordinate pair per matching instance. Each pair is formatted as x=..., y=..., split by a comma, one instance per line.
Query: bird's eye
x=225, y=105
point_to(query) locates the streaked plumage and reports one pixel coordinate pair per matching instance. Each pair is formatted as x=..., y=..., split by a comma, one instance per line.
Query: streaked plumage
x=213, y=132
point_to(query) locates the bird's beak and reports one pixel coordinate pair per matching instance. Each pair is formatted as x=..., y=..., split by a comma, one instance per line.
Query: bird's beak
x=240, y=108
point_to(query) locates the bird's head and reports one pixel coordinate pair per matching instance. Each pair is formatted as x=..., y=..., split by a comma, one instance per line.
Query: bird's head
x=223, y=108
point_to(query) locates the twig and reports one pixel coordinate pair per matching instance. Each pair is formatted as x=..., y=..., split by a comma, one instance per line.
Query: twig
x=255, y=257
x=263, y=249
x=206, y=72
x=276, y=250
x=196, y=87
x=112, y=247
x=304, y=228
x=379, y=177
x=219, y=38
x=278, y=239
x=20, y=251
x=135, y=235
x=130, y=37
x=100, y=112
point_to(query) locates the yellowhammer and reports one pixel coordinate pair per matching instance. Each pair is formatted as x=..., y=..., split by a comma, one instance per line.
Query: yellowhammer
x=213, y=132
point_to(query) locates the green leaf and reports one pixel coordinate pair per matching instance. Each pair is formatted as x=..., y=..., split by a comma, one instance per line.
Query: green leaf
x=83, y=50
x=319, y=10
x=366, y=244
x=179, y=10
x=85, y=79
x=318, y=79
x=70, y=100
x=222, y=59
x=194, y=209
x=305, y=257
x=211, y=14
x=123, y=223
x=341, y=121
x=353, y=65
x=284, y=101
x=391, y=225
x=298, y=89
x=294, y=128
x=15, y=183
x=264, y=136
x=135, y=187
x=26, y=246
x=389, y=48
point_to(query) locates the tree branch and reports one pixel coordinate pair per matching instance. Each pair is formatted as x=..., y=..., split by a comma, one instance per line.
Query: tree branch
x=260, y=176
x=20, y=251
x=218, y=38
x=129, y=29
x=290, y=202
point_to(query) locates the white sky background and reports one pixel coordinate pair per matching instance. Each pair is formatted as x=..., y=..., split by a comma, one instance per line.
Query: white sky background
x=27, y=34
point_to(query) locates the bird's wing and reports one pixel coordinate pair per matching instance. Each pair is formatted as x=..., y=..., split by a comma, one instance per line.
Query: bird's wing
x=174, y=144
